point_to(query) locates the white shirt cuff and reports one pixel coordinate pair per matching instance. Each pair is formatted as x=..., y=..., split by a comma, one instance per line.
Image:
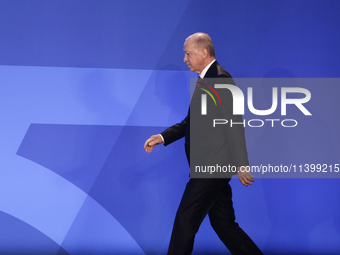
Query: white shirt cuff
x=162, y=138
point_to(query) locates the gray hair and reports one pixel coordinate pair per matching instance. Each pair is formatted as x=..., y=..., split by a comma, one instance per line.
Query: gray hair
x=203, y=40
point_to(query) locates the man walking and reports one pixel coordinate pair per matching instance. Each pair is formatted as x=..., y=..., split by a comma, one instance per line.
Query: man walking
x=210, y=196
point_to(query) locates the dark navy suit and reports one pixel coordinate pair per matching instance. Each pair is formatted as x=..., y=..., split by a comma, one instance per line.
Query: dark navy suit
x=210, y=196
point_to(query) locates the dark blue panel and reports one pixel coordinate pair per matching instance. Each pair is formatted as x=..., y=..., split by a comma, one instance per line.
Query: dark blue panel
x=84, y=33
x=251, y=38
x=148, y=35
x=17, y=237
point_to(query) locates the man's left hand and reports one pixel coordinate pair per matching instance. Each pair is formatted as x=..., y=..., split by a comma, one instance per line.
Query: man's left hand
x=246, y=178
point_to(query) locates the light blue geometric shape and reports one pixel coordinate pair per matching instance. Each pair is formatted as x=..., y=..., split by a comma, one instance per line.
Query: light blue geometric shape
x=96, y=231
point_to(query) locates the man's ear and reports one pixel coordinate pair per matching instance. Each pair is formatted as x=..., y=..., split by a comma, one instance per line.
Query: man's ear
x=204, y=53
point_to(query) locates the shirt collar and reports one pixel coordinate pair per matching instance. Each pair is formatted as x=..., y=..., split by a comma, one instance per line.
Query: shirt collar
x=202, y=74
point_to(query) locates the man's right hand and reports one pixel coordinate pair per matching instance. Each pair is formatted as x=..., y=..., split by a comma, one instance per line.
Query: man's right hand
x=152, y=142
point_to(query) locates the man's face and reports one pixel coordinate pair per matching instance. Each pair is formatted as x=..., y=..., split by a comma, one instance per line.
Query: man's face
x=193, y=57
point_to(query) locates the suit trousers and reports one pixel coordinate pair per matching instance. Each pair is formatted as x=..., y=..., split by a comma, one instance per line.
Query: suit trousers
x=212, y=197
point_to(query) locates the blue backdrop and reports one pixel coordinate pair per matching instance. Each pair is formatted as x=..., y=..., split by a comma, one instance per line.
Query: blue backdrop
x=85, y=83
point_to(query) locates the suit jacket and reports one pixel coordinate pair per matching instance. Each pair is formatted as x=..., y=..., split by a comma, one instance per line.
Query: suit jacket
x=206, y=145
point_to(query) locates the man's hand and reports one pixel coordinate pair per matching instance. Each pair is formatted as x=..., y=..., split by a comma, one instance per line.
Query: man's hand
x=152, y=142
x=246, y=178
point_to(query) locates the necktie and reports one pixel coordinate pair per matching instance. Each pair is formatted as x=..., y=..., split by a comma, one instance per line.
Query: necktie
x=197, y=85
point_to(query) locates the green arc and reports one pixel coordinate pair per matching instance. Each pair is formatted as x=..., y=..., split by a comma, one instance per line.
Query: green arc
x=209, y=95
